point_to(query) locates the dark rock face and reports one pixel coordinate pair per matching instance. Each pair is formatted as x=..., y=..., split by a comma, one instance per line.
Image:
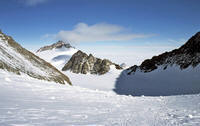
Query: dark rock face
x=185, y=56
x=80, y=62
x=17, y=59
x=56, y=45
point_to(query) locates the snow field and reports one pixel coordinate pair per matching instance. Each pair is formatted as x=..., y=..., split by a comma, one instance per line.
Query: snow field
x=30, y=102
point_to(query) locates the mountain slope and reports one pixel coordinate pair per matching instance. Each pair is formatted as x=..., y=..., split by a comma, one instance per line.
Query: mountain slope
x=171, y=73
x=17, y=59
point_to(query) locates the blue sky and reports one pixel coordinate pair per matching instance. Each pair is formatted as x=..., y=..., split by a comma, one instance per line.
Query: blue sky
x=130, y=25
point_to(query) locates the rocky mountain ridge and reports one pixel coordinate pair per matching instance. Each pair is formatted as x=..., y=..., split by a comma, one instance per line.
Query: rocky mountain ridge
x=16, y=59
x=185, y=56
x=80, y=62
x=56, y=45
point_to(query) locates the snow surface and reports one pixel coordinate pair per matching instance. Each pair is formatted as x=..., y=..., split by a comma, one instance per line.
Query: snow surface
x=104, y=82
x=171, y=81
x=29, y=102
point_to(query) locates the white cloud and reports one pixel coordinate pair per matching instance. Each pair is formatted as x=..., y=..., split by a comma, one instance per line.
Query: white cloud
x=83, y=32
x=33, y=2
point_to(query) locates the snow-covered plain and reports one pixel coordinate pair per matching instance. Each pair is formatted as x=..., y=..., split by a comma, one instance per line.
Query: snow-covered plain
x=30, y=102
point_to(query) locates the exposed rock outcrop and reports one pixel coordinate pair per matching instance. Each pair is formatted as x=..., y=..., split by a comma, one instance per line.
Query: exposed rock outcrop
x=17, y=59
x=80, y=62
x=185, y=56
x=56, y=45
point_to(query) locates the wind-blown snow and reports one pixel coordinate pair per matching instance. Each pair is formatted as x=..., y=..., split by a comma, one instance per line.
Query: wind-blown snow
x=30, y=102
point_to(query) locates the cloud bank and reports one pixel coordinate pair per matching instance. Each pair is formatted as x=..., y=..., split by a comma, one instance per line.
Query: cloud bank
x=83, y=32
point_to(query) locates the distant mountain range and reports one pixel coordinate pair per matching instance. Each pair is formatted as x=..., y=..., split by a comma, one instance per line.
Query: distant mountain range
x=65, y=57
x=171, y=73
x=83, y=70
x=16, y=59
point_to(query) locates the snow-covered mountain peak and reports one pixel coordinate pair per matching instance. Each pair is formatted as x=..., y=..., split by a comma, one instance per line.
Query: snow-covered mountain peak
x=57, y=54
x=58, y=45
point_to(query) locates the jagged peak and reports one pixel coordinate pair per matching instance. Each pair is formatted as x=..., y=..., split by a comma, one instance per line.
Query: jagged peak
x=58, y=44
x=80, y=62
x=79, y=52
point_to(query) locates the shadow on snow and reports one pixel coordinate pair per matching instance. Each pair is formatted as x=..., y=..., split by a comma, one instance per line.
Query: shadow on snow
x=172, y=81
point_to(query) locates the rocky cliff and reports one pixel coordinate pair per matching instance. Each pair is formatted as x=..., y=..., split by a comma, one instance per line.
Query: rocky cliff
x=80, y=62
